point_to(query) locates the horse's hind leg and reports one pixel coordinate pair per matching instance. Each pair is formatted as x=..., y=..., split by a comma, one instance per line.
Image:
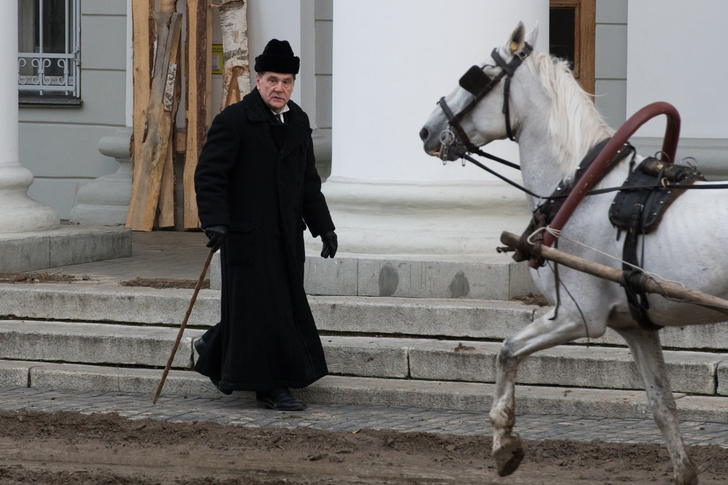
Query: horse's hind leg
x=647, y=353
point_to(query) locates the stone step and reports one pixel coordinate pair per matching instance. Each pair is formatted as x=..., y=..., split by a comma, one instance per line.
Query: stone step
x=425, y=317
x=483, y=277
x=406, y=358
x=463, y=396
x=64, y=245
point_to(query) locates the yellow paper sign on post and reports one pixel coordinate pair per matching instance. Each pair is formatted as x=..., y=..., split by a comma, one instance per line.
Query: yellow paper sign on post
x=217, y=60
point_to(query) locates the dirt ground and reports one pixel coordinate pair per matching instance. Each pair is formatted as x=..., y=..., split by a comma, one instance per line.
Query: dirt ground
x=159, y=283
x=76, y=449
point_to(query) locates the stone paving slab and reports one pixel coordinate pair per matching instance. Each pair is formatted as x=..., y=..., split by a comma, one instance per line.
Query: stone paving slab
x=566, y=365
x=105, y=300
x=424, y=317
x=423, y=359
x=497, y=278
x=722, y=376
x=14, y=373
x=240, y=410
x=94, y=343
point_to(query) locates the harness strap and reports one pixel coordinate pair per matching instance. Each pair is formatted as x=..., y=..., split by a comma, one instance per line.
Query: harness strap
x=507, y=71
x=510, y=68
x=506, y=109
x=456, y=124
x=633, y=282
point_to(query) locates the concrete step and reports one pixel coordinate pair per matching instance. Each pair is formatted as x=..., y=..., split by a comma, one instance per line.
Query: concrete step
x=483, y=277
x=406, y=358
x=463, y=396
x=64, y=245
x=426, y=317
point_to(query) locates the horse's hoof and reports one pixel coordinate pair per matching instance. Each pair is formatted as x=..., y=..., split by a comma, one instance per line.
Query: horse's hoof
x=508, y=456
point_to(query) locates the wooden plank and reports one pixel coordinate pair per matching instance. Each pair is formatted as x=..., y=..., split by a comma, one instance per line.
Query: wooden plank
x=168, y=6
x=146, y=189
x=167, y=200
x=142, y=42
x=199, y=73
x=180, y=141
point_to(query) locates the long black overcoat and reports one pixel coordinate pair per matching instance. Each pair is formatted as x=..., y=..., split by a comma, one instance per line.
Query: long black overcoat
x=258, y=177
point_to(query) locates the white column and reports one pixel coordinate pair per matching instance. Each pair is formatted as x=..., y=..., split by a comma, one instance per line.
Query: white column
x=698, y=92
x=19, y=212
x=392, y=61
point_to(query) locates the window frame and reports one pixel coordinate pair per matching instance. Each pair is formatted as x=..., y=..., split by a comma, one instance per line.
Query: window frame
x=35, y=88
x=584, y=39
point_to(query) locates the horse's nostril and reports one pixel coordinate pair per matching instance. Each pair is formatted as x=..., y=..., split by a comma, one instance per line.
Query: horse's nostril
x=424, y=134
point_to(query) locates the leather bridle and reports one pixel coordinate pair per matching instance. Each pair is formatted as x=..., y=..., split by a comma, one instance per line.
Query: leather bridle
x=479, y=84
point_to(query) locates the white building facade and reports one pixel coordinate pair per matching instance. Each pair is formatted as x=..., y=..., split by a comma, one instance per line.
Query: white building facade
x=371, y=73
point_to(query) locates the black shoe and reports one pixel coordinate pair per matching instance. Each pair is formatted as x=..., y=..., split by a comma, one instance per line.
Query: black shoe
x=280, y=400
x=200, y=347
x=222, y=389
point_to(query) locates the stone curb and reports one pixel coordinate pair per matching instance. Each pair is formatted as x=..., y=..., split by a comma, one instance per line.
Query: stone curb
x=472, y=397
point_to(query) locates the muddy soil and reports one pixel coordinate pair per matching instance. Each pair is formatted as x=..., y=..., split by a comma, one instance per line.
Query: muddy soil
x=165, y=283
x=44, y=277
x=77, y=449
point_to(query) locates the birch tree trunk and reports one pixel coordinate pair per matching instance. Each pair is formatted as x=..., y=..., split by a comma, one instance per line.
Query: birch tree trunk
x=236, y=66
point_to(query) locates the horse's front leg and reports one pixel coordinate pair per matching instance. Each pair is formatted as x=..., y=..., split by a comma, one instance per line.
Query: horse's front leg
x=647, y=354
x=541, y=334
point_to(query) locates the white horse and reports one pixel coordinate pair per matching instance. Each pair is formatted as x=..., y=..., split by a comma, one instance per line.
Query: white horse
x=555, y=124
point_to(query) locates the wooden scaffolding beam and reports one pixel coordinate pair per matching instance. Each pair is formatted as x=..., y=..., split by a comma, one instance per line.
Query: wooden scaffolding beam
x=146, y=187
x=157, y=96
x=197, y=106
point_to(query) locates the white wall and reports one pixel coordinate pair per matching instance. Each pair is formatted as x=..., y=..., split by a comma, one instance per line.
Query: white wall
x=276, y=19
x=59, y=145
x=393, y=60
x=676, y=53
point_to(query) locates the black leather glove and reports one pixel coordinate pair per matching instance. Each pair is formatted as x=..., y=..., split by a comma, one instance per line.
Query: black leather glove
x=331, y=244
x=216, y=236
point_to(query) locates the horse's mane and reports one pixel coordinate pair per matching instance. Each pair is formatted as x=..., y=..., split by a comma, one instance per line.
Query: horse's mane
x=575, y=125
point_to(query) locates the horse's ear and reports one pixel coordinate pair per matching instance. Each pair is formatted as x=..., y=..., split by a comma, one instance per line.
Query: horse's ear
x=517, y=38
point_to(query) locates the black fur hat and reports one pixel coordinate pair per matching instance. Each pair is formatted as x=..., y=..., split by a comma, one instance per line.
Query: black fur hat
x=277, y=57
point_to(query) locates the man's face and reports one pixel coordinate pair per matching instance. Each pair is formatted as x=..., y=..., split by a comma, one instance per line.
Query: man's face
x=275, y=89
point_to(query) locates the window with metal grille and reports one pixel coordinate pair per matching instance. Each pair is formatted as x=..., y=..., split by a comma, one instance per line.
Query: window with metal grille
x=49, y=51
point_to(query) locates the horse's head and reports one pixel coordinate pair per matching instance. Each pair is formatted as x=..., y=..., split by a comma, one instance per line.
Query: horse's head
x=477, y=111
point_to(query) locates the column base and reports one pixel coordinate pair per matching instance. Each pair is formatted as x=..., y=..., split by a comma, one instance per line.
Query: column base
x=422, y=218
x=105, y=200
x=19, y=212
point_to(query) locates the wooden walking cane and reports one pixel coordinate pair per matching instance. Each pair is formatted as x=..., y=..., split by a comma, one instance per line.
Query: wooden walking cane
x=184, y=324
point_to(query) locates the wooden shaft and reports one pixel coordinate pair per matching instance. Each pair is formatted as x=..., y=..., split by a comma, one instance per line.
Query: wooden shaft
x=664, y=288
x=184, y=324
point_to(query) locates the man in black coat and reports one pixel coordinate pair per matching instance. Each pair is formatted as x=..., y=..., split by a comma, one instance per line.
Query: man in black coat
x=257, y=191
